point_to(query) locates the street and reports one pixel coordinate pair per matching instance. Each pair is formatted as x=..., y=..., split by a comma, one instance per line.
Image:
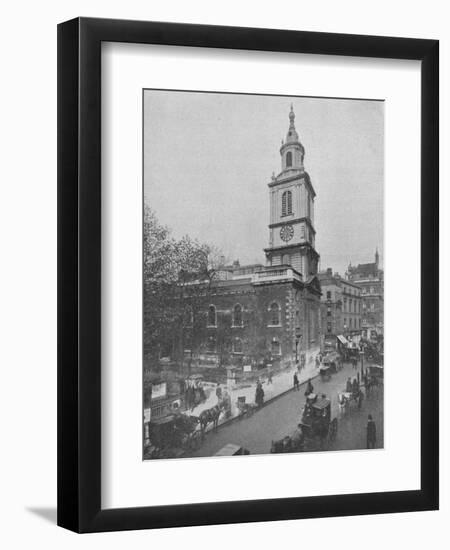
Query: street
x=280, y=418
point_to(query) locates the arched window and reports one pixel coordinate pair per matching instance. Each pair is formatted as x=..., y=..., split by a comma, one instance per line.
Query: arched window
x=275, y=347
x=237, y=315
x=288, y=159
x=286, y=203
x=274, y=312
x=286, y=260
x=237, y=345
x=211, y=316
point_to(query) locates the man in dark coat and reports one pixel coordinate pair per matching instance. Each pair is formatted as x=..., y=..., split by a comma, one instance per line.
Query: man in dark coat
x=259, y=396
x=371, y=433
x=296, y=384
x=349, y=387
x=309, y=388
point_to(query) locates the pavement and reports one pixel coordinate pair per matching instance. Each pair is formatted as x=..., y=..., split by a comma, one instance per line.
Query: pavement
x=280, y=418
x=281, y=383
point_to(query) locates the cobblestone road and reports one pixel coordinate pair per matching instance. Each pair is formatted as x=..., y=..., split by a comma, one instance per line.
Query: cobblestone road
x=280, y=417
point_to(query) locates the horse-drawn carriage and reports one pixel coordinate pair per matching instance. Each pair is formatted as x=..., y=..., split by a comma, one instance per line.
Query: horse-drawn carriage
x=316, y=420
x=172, y=435
x=330, y=364
x=244, y=408
x=315, y=427
x=349, y=397
x=374, y=377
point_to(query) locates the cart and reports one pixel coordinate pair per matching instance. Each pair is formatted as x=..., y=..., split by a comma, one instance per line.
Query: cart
x=244, y=409
x=316, y=422
x=230, y=449
x=333, y=361
x=374, y=378
x=325, y=372
x=317, y=428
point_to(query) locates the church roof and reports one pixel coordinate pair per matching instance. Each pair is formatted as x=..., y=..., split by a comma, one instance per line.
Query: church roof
x=365, y=269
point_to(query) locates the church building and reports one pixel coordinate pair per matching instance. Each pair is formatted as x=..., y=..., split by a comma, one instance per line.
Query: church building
x=270, y=311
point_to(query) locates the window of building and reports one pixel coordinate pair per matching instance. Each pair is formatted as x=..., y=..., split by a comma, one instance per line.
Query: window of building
x=288, y=159
x=274, y=311
x=312, y=325
x=211, y=344
x=188, y=341
x=237, y=315
x=237, y=345
x=302, y=232
x=275, y=347
x=286, y=260
x=188, y=317
x=329, y=312
x=212, y=318
x=329, y=327
x=328, y=294
x=371, y=290
x=286, y=203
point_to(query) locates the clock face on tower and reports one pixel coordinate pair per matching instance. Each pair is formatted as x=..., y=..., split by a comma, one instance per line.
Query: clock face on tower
x=287, y=232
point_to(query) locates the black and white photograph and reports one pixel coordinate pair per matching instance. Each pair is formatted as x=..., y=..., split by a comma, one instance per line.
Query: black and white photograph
x=263, y=274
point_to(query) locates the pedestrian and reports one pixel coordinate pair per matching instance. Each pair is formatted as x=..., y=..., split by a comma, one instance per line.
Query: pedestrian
x=259, y=396
x=309, y=388
x=348, y=387
x=355, y=386
x=269, y=378
x=296, y=383
x=202, y=393
x=371, y=433
x=219, y=393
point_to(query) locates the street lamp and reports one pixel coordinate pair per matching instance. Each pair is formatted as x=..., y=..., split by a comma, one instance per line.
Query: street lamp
x=362, y=362
x=298, y=337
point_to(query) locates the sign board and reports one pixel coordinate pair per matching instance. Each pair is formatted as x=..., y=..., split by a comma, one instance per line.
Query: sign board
x=159, y=390
x=147, y=415
x=247, y=368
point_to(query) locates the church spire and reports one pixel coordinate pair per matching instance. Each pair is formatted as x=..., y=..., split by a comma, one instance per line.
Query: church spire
x=292, y=135
x=292, y=151
x=377, y=257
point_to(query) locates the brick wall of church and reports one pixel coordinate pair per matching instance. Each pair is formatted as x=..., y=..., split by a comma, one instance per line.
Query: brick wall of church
x=258, y=336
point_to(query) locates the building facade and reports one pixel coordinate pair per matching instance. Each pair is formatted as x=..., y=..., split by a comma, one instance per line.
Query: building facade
x=341, y=306
x=270, y=311
x=370, y=278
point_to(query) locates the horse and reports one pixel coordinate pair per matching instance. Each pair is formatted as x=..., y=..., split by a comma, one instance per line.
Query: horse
x=345, y=398
x=209, y=415
x=372, y=382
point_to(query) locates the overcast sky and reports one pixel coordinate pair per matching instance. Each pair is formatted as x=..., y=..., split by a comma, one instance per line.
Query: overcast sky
x=208, y=158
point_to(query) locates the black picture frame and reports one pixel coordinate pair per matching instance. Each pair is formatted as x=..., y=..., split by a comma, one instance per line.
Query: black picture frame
x=79, y=274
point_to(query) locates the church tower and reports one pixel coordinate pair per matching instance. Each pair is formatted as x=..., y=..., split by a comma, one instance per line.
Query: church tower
x=291, y=228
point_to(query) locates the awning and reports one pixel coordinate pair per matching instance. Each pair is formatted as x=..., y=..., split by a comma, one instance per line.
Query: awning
x=342, y=339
